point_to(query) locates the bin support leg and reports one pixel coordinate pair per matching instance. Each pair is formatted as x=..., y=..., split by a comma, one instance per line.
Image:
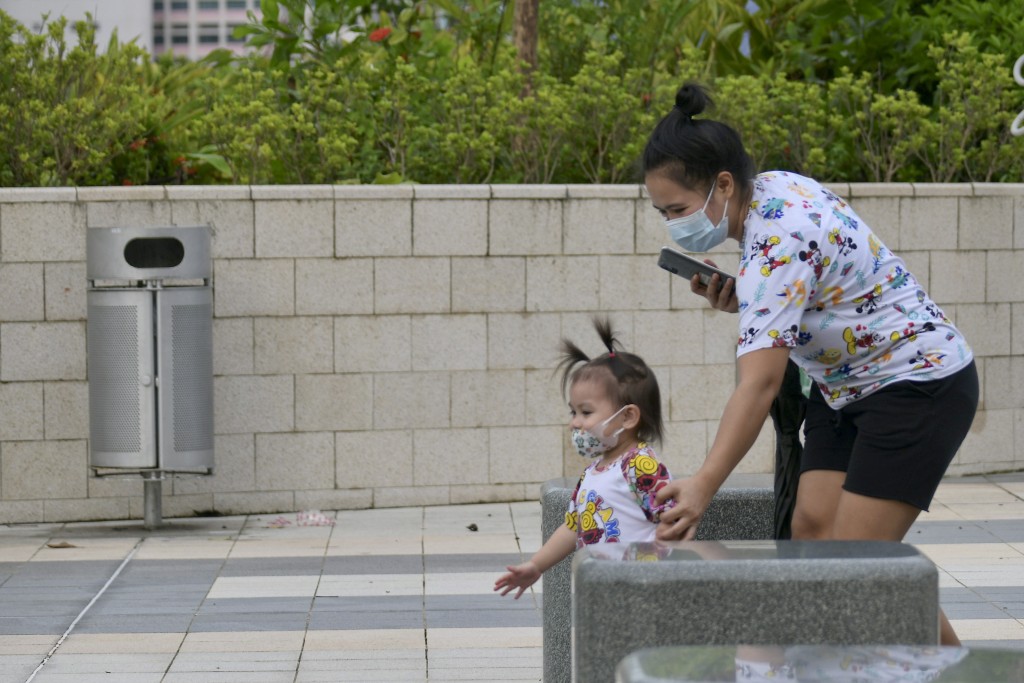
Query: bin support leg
x=152, y=499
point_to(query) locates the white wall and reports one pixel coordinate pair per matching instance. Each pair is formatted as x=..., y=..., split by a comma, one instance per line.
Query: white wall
x=390, y=346
x=131, y=18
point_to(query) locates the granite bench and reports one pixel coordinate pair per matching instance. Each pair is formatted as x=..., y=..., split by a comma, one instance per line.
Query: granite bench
x=641, y=595
x=734, y=514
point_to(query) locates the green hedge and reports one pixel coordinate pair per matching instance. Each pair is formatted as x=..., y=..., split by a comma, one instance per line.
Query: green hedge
x=407, y=102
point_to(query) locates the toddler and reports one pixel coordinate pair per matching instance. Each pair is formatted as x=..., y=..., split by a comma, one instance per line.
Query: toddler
x=615, y=409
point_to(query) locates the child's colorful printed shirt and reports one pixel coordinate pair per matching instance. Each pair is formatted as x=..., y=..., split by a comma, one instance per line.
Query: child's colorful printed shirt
x=815, y=278
x=616, y=503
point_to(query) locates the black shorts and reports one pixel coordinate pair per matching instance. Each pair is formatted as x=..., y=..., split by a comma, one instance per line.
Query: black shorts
x=897, y=442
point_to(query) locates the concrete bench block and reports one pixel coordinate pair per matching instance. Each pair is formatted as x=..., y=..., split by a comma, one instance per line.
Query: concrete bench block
x=755, y=593
x=734, y=514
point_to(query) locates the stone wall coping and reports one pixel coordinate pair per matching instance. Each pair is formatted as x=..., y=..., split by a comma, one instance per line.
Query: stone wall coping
x=130, y=193
x=293, y=192
x=209, y=192
x=14, y=195
x=403, y=191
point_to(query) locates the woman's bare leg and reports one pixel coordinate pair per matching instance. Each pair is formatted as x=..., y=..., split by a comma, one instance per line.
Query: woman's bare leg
x=875, y=519
x=817, y=498
x=825, y=511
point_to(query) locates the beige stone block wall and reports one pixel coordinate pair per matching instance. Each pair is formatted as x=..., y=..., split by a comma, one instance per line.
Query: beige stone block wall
x=392, y=346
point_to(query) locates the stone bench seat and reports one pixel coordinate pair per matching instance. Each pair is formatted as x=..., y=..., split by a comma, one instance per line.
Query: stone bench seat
x=637, y=596
x=741, y=513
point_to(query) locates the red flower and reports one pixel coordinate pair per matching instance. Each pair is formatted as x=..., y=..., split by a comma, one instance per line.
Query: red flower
x=380, y=34
x=127, y=182
x=137, y=144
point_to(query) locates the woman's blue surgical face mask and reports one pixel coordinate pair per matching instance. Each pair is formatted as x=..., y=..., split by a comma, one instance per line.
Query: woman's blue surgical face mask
x=696, y=232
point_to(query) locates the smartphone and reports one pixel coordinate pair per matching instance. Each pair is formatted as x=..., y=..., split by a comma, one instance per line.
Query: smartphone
x=686, y=266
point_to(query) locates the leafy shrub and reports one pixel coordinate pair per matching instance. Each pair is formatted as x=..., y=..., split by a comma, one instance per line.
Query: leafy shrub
x=432, y=93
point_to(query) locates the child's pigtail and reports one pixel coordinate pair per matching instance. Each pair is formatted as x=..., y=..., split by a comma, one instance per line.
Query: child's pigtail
x=604, y=330
x=572, y=356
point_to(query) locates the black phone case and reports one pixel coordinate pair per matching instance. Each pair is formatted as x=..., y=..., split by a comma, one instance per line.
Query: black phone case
x=685, y=266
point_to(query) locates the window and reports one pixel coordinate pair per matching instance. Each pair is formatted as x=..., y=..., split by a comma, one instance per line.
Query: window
x=236, y=4
x=209, y=4
x=179, y=34
x=209, y=33
x=158, y=35
x=179, y=5
x=158, y=5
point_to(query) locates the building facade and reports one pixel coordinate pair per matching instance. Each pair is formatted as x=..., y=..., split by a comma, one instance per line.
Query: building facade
x=187, y=28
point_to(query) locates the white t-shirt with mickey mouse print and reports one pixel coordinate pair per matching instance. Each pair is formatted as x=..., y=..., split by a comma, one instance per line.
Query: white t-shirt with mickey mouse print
x=814, y=277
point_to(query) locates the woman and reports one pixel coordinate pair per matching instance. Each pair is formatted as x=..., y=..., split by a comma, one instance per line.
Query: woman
x=895, y=387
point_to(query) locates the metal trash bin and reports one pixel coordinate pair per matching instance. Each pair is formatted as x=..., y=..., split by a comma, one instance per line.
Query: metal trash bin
x=150, y=354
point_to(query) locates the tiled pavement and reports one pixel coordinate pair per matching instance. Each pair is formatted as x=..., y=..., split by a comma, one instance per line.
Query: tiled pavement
x=382, y=595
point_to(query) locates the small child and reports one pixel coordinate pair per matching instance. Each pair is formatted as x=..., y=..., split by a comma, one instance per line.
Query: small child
x=615, y=406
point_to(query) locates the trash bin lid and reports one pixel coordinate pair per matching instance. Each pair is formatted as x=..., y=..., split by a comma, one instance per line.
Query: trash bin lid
x=148, y=253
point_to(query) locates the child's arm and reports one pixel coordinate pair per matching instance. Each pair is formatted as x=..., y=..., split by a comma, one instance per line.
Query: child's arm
x=524, y=575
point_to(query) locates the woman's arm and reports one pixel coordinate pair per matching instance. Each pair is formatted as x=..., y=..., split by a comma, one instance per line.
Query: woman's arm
x=761, y=375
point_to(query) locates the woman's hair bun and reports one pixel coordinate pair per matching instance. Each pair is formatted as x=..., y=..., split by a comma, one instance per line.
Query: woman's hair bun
x=692, y=99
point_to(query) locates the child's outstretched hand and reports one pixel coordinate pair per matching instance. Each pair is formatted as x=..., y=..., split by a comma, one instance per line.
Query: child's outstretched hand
x=521, y=576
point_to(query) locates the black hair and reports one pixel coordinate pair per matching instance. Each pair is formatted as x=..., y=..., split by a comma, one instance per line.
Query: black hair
x=692, y=152
x=626, y=377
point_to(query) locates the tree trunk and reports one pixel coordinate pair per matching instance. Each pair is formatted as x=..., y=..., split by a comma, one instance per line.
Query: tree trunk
x=525, y=36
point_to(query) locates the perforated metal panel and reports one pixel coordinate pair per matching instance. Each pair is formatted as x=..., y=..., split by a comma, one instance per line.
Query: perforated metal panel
x=185, y=353
x=121, y=369
x=150, y=348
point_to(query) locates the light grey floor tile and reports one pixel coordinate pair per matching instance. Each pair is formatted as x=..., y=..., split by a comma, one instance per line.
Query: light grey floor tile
x=230, y=677
x=107, y=663
x=197, y=662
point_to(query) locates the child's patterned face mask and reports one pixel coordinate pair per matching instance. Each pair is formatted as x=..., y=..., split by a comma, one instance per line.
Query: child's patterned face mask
x=593, y=444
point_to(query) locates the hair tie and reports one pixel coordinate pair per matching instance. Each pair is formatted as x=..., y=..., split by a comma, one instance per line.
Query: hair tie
x=611, y=354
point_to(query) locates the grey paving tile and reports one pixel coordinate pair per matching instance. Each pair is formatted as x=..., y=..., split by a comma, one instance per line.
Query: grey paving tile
x=250, y=621
x=948, y=532
x=272, y=566
x=163, y=572
x=255, y=605
x=393, y=603
x=482, y=562
x=493, y=618
x=1006, y=530
x=80, y=573
x=373, y=564
x=1013, y=593
x=160, y=592
x=49, y=593
x=487, y=601
x=320, y=621
x=1011, y=609
x=134, y=623
x=10, y=607
x=142, y=606
x=972, y=610
x=34, y=625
